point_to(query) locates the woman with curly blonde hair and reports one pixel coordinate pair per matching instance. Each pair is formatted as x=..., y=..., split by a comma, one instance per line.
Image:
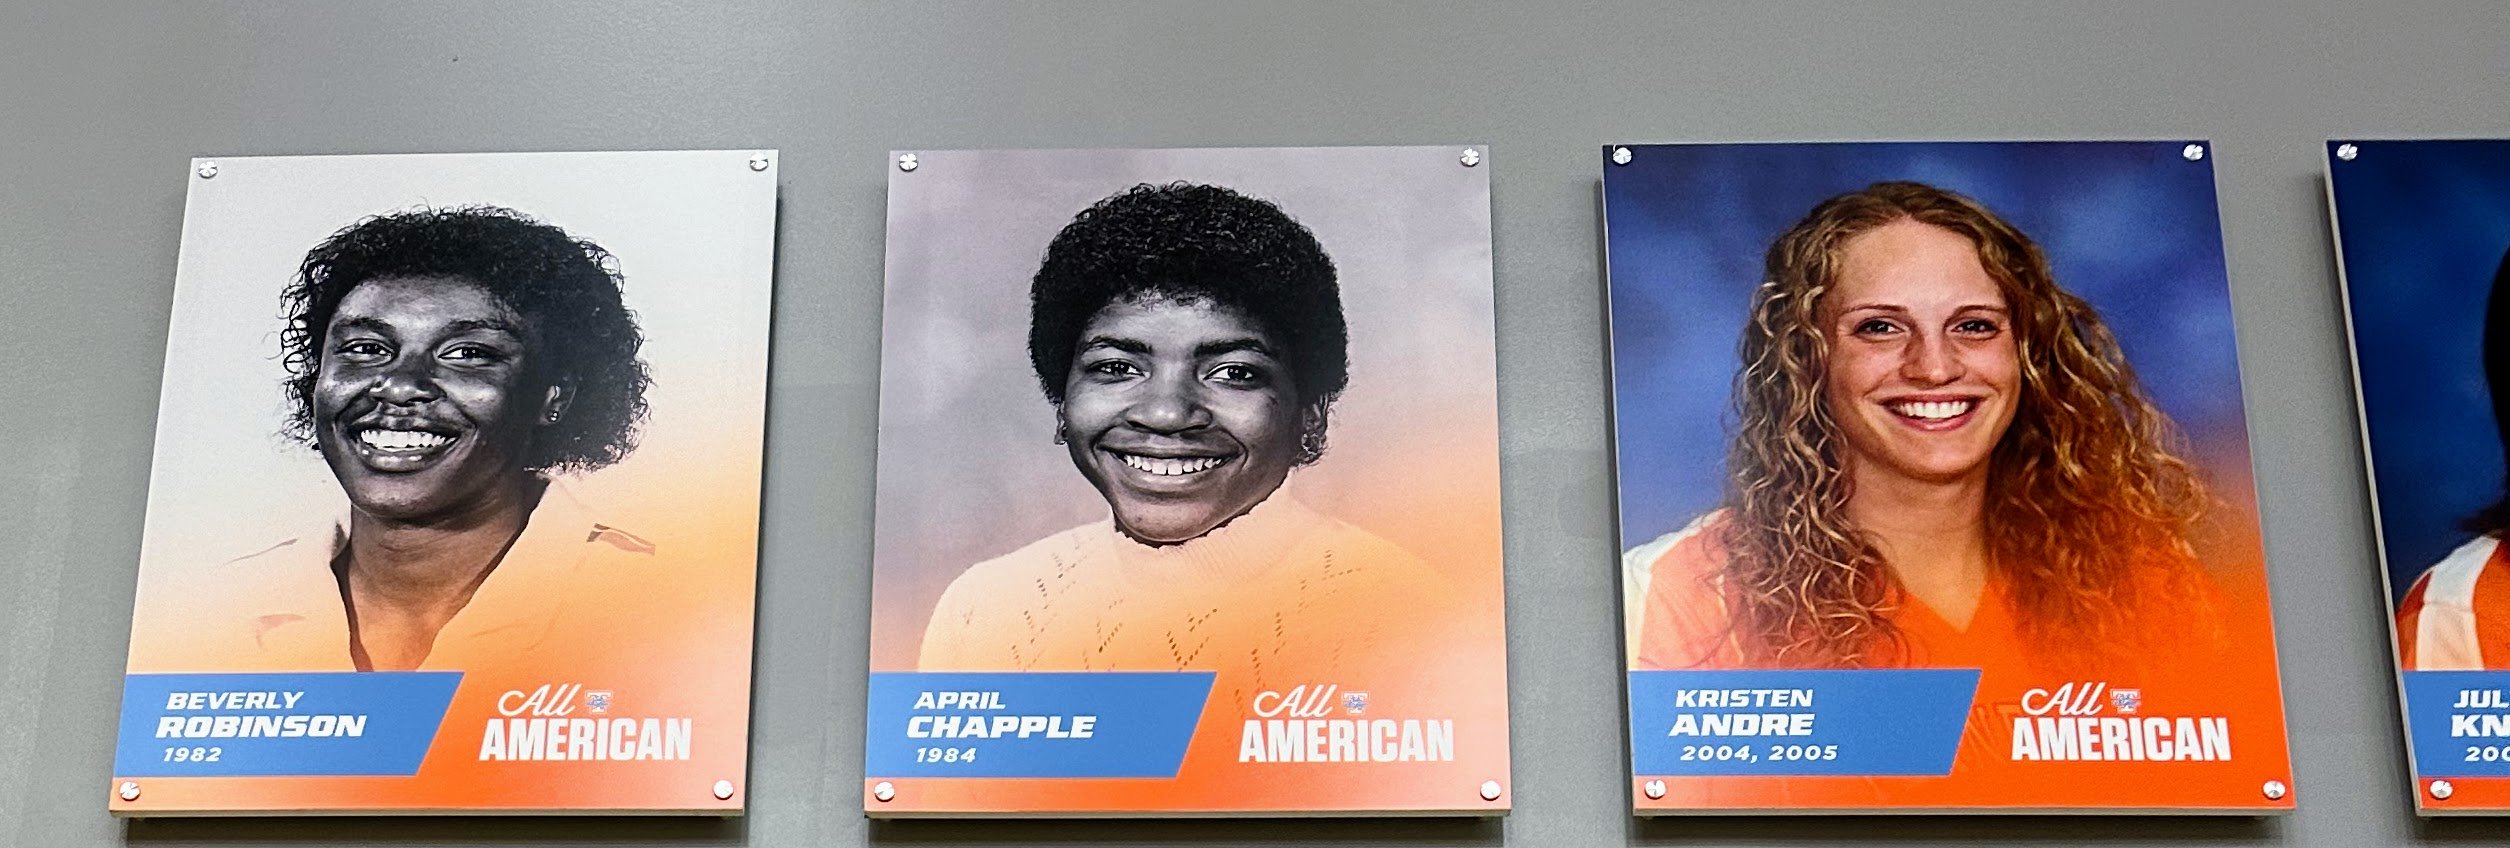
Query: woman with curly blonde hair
x=1942, y=459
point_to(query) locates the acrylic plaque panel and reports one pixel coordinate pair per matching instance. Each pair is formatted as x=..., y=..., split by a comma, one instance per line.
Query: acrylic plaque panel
x=1934, y=480
x=1188, y=504
x=2422, y=229
x=470, y=522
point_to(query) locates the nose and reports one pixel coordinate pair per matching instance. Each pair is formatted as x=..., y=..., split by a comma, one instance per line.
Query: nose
x=1169, y=403
x=1930, y=359
x=407, y=382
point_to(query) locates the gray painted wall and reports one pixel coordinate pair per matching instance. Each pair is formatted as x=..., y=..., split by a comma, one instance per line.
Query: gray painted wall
x=101, y=104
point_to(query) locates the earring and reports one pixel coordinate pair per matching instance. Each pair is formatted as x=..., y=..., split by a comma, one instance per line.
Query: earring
x=554, y=415
x=1311, y=445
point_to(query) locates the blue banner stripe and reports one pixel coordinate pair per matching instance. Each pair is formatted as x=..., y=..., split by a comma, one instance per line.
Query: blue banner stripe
x=2459, y=722
x=272, y=725
x=1031, y=724
x=1825, y=722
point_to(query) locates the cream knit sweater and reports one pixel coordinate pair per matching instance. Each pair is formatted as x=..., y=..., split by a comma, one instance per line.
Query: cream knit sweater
x=1279, y=596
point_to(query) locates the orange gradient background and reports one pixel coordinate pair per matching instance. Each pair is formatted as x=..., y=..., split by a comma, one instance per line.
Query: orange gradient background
x=968, y=469
x=693, y=233
x=1984, y=779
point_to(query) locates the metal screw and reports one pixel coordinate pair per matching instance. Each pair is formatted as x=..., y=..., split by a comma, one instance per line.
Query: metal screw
x=1470, y=158
x=2192, y=152
x=1620, y=156
x=129, y=791
x=906, y=161
x=2275, y=790
x=723, y=790
x=2346, y=152
x=1490, y=790
x=884, y=790
x=206, y=170
x=1654, y=789
x=758, y=162
x=2441, y=790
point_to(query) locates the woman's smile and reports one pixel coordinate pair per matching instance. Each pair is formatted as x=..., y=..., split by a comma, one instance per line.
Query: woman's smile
x=427, y=396
x=1181, y=413
x=1161, y=466
x=399, y=448
x=1934, y=415
x=1924, y=370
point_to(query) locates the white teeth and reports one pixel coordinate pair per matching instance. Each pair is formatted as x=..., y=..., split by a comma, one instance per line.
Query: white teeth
x=1166, y=467
x=1933, y=410
x=402, y=440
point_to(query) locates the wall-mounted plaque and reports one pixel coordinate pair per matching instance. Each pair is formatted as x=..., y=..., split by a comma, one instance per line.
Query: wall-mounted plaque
x=1188, y=486
x=2423, y=239
x=1934, y=482
x=456, y=493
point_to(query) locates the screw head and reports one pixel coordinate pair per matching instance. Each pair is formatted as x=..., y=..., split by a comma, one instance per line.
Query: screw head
x=2441, y=790
x=2275, y=790
x=1654, y=789
x=1470, y=158
x=2346, y=152
x=884, y=791
x=2192, y=152
x=758, y=162
x=723, y=790
x=1490, y=790
x=1620, y=156
x=129, y=791
x=906, y=161
x=206, y=170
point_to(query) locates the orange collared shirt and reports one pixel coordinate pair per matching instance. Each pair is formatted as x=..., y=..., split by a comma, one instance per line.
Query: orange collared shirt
x=1687, y=623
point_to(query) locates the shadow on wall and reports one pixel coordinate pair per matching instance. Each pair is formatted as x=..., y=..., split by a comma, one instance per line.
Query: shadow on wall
x=443, y=830
x=1200, y=833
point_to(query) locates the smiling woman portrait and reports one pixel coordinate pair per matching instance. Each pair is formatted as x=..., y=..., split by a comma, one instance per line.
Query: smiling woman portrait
x=1943, y=459
x=1191, y=340
x=449, y=365
x=2455, y=616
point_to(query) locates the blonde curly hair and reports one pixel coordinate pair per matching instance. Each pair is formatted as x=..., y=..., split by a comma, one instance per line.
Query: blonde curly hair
x=2085, y=487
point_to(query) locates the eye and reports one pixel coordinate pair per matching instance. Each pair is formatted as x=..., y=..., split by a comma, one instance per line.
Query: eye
x=474, y=353
x=1238, y=373
x=1978, y=327
x=1874, y=327
x=1112, y=369
x=361, y=350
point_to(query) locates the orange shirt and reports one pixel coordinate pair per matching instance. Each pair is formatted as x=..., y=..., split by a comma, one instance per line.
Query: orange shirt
x=1688, y=624
x=2457, y=615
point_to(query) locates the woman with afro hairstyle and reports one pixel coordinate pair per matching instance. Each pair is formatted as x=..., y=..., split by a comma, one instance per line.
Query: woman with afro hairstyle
x=1191, y=340
x=449, y=365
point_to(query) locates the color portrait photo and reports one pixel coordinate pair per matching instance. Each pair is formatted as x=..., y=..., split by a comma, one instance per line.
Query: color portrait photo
x=1934, y=481
x=1188, y=493
x=2423, y=239
x=456, y=487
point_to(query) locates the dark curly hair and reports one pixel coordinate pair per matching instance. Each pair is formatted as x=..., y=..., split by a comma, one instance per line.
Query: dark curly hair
x=2494, y=519
x=1193, y=242
x=566, y=290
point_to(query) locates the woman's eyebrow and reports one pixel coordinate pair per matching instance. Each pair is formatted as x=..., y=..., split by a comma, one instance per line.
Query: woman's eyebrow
x=1133, y=346
x=378, y=325
x=1216, y=348
x=469, y=324
x=361, y=322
